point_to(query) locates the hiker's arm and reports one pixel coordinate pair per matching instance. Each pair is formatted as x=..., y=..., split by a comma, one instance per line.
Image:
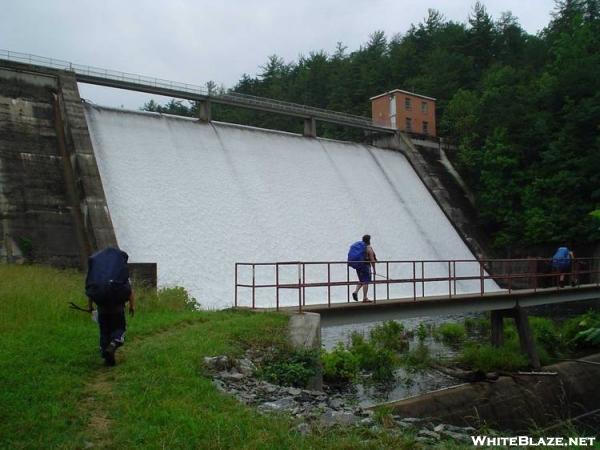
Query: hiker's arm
x=371, y=257
x=131, y=303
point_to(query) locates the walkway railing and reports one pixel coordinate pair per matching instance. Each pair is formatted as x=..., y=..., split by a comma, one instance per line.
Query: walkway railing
x=190, y=91
x=509, y=274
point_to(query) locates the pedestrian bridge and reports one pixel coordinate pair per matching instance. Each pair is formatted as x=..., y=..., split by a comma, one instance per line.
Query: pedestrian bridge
x=428, y=287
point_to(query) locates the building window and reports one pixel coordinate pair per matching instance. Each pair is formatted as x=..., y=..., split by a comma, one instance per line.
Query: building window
x=425, y=127
x=407, y=103
x=408, y=124
x=423, y=107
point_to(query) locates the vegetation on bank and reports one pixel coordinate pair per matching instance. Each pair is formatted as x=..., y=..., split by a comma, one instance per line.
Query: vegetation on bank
x=57, y=394
x=521, y=109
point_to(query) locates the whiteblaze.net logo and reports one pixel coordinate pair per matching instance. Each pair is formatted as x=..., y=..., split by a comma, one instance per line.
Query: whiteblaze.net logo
x=527, y=441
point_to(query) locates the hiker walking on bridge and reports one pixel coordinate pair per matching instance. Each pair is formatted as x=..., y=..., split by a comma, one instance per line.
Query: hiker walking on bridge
x=361, y=257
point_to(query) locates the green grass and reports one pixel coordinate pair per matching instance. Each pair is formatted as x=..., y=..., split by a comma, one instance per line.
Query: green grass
x=57, y=394
x=450, y=333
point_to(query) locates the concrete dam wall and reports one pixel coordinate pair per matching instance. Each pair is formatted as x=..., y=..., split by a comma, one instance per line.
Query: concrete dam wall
x=198, y=197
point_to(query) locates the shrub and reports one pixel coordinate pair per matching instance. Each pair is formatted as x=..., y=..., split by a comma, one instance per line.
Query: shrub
x=572, y=329
x=417, y=358
x=380, y=361
x=339, y=365
x=487, y=358
x=546, y=335
x=390, y=335
x=295, y=368
x=422, y=332
x=451, y=333
x=479, y=325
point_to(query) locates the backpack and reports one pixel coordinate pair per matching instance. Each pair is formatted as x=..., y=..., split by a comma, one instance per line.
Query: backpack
x=357, y=255
x=107, y=281
x=561, y=259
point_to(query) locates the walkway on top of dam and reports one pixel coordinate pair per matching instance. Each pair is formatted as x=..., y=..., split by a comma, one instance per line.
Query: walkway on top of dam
x=141, y=83
x=520, y=282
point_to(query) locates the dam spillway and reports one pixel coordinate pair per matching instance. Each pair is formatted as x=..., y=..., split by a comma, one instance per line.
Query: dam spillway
x=197, y=197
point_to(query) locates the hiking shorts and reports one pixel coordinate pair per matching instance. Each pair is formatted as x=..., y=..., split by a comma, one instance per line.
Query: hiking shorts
x=364, y=274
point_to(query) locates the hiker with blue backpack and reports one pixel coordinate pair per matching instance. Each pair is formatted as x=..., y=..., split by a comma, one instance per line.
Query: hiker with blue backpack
x=562, y=262
x=361, y=257
x=107, y=285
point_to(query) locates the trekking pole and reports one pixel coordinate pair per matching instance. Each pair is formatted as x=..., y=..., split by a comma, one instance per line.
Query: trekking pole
x=78, y=308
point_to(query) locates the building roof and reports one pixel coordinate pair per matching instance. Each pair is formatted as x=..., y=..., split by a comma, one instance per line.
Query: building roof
x=402, y=92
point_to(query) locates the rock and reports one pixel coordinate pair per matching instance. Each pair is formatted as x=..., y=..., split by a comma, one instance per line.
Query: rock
x=294, y=391
x=270, y=388
x=283, y=404
x=405, y=426
x=231, y=376
x=303, y=429
x=245, y=366
x=336, y=403
x=456, y=436
x=331, y=418
x=217, y=362
x=412, y=420
x=88, y=444
x=423, y=439
x=429, y=434
x=439, y=428
x=367, y=422
x=219, y=385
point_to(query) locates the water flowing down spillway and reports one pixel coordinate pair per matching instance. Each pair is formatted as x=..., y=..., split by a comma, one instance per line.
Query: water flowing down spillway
x=196, y=198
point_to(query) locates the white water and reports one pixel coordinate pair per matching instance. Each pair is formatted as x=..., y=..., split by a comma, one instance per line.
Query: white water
x=197, y=198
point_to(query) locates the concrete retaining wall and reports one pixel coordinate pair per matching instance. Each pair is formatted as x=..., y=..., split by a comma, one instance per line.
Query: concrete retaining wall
x=514, y=403
x=52, y=204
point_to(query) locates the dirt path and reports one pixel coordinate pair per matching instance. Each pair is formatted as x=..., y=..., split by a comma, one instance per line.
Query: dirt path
x=100, y=388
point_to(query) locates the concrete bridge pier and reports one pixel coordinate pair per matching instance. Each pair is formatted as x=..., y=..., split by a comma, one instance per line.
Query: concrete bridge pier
x=525, y=335
x=310, y=127
x=204, y=111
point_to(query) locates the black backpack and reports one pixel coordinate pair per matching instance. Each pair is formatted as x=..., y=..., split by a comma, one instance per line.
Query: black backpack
x=107, y=281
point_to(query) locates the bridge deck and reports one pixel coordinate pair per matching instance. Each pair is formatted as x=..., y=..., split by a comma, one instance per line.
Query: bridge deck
x=345, y=312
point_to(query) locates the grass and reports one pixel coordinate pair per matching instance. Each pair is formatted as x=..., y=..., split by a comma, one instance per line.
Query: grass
x=452, y=334
x=57, y=394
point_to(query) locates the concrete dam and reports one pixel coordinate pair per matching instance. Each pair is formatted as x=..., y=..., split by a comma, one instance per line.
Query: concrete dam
x=196, y=197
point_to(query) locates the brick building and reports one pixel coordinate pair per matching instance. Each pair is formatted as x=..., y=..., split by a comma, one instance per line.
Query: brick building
x=405, y=111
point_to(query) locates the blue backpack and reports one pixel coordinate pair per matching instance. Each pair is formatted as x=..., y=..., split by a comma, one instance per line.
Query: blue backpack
x=357, y=255
x=561, y=259
x=107, y=281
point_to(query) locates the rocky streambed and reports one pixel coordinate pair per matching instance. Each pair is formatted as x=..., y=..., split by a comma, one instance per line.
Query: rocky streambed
x=317, y=409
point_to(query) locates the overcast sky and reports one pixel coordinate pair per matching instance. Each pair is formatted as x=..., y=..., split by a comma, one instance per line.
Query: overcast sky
x=196, y=41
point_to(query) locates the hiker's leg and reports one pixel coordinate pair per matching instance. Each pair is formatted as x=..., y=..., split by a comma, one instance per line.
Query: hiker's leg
x=365, y=290
x=104, y=324
x=118, y=327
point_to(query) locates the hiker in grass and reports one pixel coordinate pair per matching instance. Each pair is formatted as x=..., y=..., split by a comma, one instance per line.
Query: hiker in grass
x=107, y=285
x=562, y=262
x=361, y=257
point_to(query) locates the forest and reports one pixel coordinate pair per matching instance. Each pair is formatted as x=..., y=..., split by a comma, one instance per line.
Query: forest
x=522, y=111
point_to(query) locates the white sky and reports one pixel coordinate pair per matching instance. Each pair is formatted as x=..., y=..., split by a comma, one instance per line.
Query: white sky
x=196, y=41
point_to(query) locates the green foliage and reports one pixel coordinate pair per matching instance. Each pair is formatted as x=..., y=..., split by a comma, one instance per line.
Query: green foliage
x=547, y=335
x=389, y=335
x=422, y=332
x=451, y=333
x=371, y=357
x=578, y=332
x=417, y=358
x=339, y=365
x=293, y=368
x=479, y=325
x=487, y=358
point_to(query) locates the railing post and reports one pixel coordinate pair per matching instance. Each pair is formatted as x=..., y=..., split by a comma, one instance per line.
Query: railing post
x=481, y=276
x=253, y=286
x=303, y=284
x=387, y=277
x=375, y=284
x=277, y=286
x=510, y=263
x=299, y=289
x=329, y=284
x=414, y=264
x=422, y=278
x=454, y=271
x=348, y=281
x=236, y=285
x=449, y=279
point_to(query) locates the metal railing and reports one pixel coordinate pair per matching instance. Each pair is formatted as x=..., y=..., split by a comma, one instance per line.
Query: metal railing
x=230, y=97
x=509, y=274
